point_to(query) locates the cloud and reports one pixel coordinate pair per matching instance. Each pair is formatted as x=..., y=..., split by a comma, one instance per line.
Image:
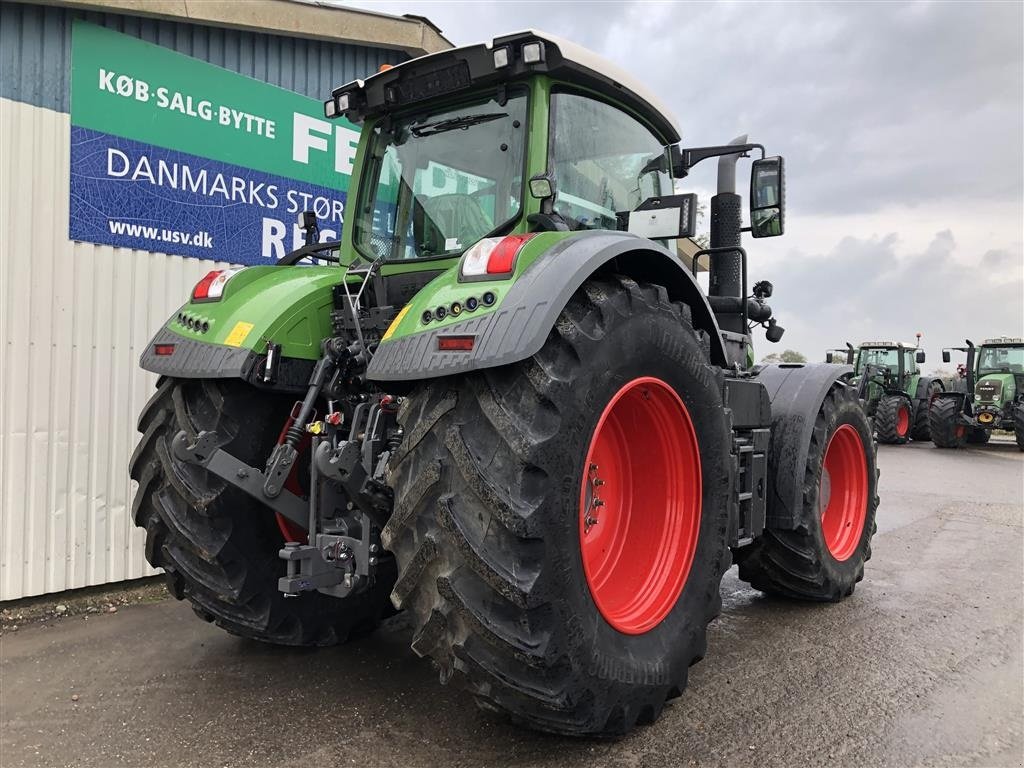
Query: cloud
x=862, y=289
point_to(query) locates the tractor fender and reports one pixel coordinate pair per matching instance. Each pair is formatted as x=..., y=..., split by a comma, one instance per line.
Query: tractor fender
x=228, y=338
x=921, y=397
x=520, y=325
x=796, y=392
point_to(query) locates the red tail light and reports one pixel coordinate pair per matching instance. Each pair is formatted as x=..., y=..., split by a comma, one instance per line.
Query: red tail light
x=163, y=350
x=455, y=343
x=211, y=287
x=493, y=256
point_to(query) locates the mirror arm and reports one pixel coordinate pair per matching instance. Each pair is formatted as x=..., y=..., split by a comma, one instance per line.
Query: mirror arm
x=684, y=159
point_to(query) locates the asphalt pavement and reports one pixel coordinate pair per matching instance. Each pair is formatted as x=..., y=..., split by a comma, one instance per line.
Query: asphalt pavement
x=922, y=666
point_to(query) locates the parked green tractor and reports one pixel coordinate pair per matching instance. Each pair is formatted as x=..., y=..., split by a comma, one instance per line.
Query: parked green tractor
x=895, y=393
x=502, y=404
x=992, y=396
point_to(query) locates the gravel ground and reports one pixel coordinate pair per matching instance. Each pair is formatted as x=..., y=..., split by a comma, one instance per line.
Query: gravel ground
x=923, y=666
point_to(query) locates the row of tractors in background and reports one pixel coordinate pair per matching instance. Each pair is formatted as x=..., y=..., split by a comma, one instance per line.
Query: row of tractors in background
x=987, y=393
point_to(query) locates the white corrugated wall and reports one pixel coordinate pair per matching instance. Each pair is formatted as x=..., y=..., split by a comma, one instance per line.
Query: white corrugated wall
x=74, y=318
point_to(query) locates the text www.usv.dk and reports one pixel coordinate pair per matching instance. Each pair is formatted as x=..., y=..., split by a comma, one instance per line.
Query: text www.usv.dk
x=198, y=239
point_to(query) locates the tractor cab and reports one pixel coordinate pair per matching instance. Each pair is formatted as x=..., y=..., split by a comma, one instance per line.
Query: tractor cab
x=893, y=361
x=483, y=157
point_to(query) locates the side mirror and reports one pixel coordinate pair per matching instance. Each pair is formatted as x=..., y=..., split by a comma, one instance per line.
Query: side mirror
x=919, y=357
x=829, y=357
x=945, y=355
x=849, y=357
x=767, y=197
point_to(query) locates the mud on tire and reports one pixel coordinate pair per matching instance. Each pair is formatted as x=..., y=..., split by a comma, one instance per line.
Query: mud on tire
x=486, y=522
x=797, y=563
x=218, y=546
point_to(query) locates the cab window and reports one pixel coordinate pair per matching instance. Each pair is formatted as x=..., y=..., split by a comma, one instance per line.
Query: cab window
x=603, y=161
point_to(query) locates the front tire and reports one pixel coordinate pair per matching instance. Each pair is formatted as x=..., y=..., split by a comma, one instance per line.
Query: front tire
x=1018, y=426
x=489, y=530
x=823, y=557
x=944, y=423
x=892, y=420
x=217, y=545
x=920, y=431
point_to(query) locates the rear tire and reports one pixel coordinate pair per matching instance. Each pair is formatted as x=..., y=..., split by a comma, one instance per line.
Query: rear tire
x=823, y=558
x=1018, y=426
x=892, y=420
x=487, y=528
x=217, y=545
x=944, y=423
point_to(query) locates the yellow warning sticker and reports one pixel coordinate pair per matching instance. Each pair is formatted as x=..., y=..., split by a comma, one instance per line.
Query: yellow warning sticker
x=238, y=334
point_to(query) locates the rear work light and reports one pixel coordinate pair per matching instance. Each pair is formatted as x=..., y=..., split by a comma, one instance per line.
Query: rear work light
x=211, y=287
x=493, y=256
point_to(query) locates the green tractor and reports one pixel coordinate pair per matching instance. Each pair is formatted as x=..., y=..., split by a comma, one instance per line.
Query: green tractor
x=895, y=393
x=992, y=396
x=503, y=404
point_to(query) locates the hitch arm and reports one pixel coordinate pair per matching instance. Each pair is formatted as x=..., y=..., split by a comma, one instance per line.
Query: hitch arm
x=206, y=453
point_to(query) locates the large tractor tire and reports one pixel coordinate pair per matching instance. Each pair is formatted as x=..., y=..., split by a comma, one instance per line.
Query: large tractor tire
x=217, y=545
x=893, y=420
x=823, y=557
x=920, y=430
x=944, y=423
x=561, y=523
x=1018, y=425
x=978, y=436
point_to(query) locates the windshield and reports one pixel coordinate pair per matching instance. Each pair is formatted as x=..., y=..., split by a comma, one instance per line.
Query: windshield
x=1000, y=360
x=440, y=180
x=888, y=358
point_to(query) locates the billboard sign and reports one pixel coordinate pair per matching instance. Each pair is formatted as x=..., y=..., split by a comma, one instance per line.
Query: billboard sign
x=174, y=155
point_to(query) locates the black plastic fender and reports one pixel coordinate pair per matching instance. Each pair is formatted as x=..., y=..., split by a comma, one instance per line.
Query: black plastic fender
x=520, y=325
x=796, y=392
x=922, y=387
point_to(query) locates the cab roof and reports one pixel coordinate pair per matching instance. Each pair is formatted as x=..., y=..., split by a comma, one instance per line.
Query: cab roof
x=495, y=62
x=1000, y=341
x=887, y=345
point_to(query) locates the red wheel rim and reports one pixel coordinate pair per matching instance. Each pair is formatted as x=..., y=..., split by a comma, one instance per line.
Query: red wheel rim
x=844, y=492
x=902, y=421
x=640, y=503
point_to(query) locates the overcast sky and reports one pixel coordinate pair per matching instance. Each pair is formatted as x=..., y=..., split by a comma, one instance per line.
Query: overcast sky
x=901, y=125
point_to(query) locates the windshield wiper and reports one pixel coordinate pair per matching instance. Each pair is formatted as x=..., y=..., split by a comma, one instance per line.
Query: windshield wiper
x=455, y=123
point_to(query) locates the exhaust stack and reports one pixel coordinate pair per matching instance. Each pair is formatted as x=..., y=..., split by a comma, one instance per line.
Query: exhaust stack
x=725, y=269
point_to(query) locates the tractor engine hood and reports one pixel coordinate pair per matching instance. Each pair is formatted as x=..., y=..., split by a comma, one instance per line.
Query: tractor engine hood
x=994, y=389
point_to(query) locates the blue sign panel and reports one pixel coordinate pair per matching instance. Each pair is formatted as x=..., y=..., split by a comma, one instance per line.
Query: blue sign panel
x=134, y=195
